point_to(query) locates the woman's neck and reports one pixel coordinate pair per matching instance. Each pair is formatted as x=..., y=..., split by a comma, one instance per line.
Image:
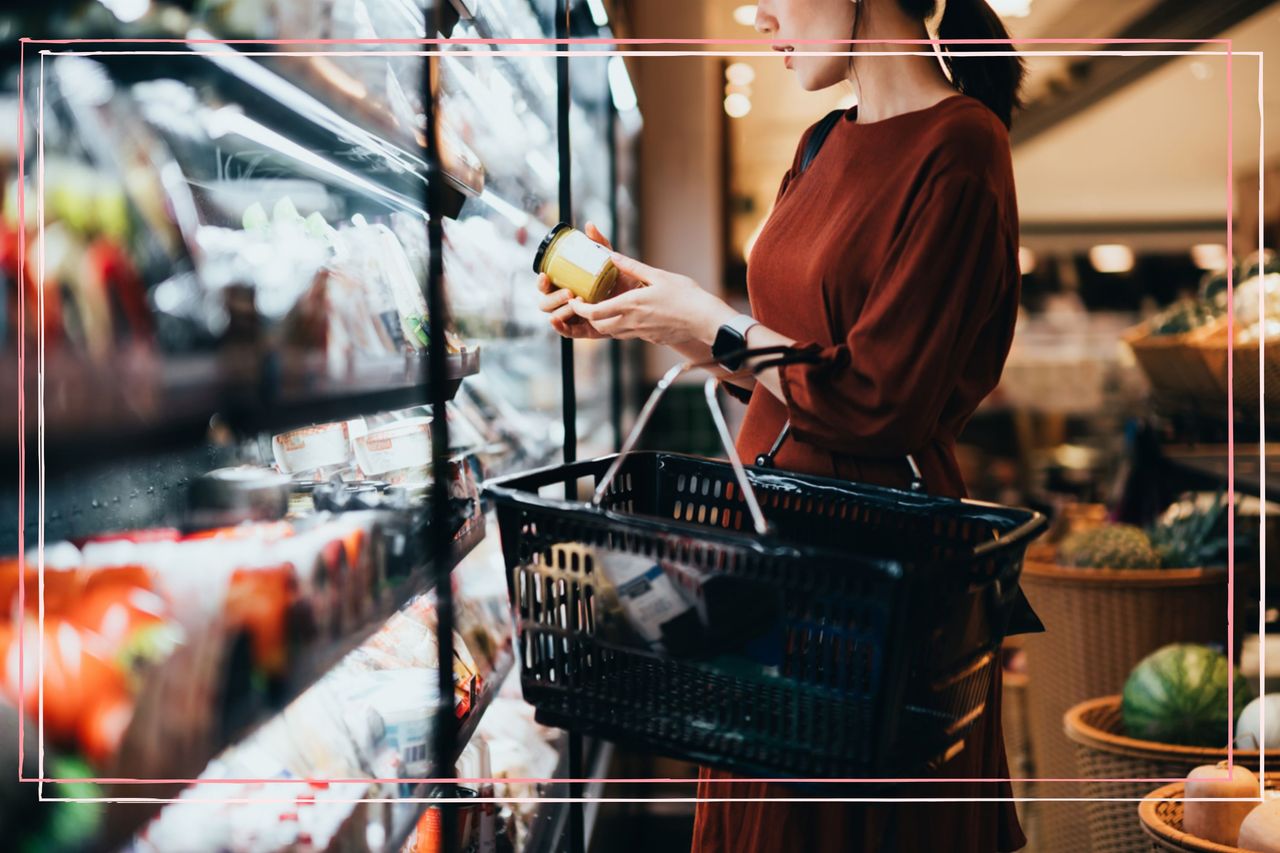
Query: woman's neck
x=887, y=86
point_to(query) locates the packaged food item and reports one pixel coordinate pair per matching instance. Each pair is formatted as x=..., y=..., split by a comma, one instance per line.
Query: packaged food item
x=398, y=453
x=574, y=261
x=306, y=450
x=259, y=602
x=635, y=597
x=230, y=496
x=426, y=835
x=396, y=708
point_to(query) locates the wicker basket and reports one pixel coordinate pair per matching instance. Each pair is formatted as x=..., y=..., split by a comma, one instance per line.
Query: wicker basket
x=1103, y=752
x=1099, y=624
x=1160, y=816
x=1213, y=350
x=1174, y=364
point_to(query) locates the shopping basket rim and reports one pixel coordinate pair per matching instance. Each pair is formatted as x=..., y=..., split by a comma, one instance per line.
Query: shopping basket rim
x=505, y=488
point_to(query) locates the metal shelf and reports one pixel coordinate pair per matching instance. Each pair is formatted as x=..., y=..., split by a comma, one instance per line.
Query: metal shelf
x=142, y=403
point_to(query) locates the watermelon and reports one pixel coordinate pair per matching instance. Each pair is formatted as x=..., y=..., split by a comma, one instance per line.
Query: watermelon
x=1178, y=694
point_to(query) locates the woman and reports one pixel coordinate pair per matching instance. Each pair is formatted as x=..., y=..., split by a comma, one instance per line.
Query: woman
x=893, y=259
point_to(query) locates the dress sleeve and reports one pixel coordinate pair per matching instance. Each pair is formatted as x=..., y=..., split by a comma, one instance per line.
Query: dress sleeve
x=882, y=390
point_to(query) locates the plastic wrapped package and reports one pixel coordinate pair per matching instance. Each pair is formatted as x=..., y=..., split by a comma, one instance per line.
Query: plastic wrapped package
x=518, y=748
x=491, y=290
x=480, y=107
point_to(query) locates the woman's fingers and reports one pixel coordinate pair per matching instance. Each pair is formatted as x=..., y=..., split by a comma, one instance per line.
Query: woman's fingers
x=565, y=313
x=575, y=327
x=554, y=300
x=544, y=283
x=594, y=233
x=634, y=268
x=611, y=307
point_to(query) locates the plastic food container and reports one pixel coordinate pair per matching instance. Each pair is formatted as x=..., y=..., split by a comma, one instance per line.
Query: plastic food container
x=396, y=447
x=312, y=448
x=231, y=496
x=574, y=261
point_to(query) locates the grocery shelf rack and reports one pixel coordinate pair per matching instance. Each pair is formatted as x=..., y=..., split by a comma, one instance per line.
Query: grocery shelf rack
x=120, y=436
x=142, y=403
x=191, y=751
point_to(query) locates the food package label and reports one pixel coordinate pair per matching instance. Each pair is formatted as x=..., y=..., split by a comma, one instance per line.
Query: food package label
x=647, y=596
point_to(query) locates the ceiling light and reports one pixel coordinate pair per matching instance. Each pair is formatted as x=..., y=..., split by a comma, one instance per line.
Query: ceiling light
x=1201, y=70
x=745, y=15
x=1111, y=258
x=1011, y=8
x=740, y=74
x=1026, y=260
x=1209, y=256
x=737, y=105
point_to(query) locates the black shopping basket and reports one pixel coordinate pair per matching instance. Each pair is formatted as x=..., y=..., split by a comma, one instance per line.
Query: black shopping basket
x=882, y=610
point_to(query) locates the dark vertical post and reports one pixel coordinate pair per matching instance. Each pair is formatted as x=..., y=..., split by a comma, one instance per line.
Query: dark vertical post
x=568, y=391
x=439, y=531
x=615, y=346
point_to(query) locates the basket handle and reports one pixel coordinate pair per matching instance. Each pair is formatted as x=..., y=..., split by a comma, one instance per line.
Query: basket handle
x=783, y=355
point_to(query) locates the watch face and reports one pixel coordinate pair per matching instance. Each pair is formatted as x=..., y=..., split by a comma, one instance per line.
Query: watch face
x=729, y=341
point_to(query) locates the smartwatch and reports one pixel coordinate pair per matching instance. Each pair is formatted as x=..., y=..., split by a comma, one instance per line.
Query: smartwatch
x=731, y=340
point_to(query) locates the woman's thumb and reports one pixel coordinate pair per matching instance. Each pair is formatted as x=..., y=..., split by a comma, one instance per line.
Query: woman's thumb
x=632, y=267
x=597, y=235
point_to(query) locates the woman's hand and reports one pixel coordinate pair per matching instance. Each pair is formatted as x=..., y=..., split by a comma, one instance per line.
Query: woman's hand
x=659, y=307
x=556, y=300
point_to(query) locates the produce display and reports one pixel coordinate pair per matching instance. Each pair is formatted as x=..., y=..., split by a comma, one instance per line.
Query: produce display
x=1254, y=727
x=1191, y=533
x=1256, y=279
x=1120, y=546
x=1260, y=830
x=1179, y=694
x=1218, y=822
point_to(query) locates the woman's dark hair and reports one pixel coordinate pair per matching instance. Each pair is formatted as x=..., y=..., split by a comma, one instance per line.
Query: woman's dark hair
x=994, y=80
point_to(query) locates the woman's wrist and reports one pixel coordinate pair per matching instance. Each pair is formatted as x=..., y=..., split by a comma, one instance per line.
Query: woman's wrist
x=716, y=315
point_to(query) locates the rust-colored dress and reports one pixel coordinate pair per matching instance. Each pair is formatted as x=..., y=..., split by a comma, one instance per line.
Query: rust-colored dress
x=894, y=255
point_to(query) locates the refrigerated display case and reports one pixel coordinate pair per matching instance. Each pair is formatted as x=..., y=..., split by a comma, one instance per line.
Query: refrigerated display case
x=243, y=307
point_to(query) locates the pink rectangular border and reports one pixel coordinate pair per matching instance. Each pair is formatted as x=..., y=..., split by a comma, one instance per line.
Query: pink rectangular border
x=613, y=42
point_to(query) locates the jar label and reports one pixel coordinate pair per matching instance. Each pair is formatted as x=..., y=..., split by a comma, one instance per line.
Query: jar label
x=581, y=251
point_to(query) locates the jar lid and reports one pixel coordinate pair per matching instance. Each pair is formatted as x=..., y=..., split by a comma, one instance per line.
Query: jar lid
x=546, y=244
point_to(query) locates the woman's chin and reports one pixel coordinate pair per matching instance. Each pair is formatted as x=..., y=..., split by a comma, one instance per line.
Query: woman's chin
x=813, y=80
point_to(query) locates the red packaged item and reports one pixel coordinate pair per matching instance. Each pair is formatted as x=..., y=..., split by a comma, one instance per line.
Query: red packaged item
x=259, y=602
